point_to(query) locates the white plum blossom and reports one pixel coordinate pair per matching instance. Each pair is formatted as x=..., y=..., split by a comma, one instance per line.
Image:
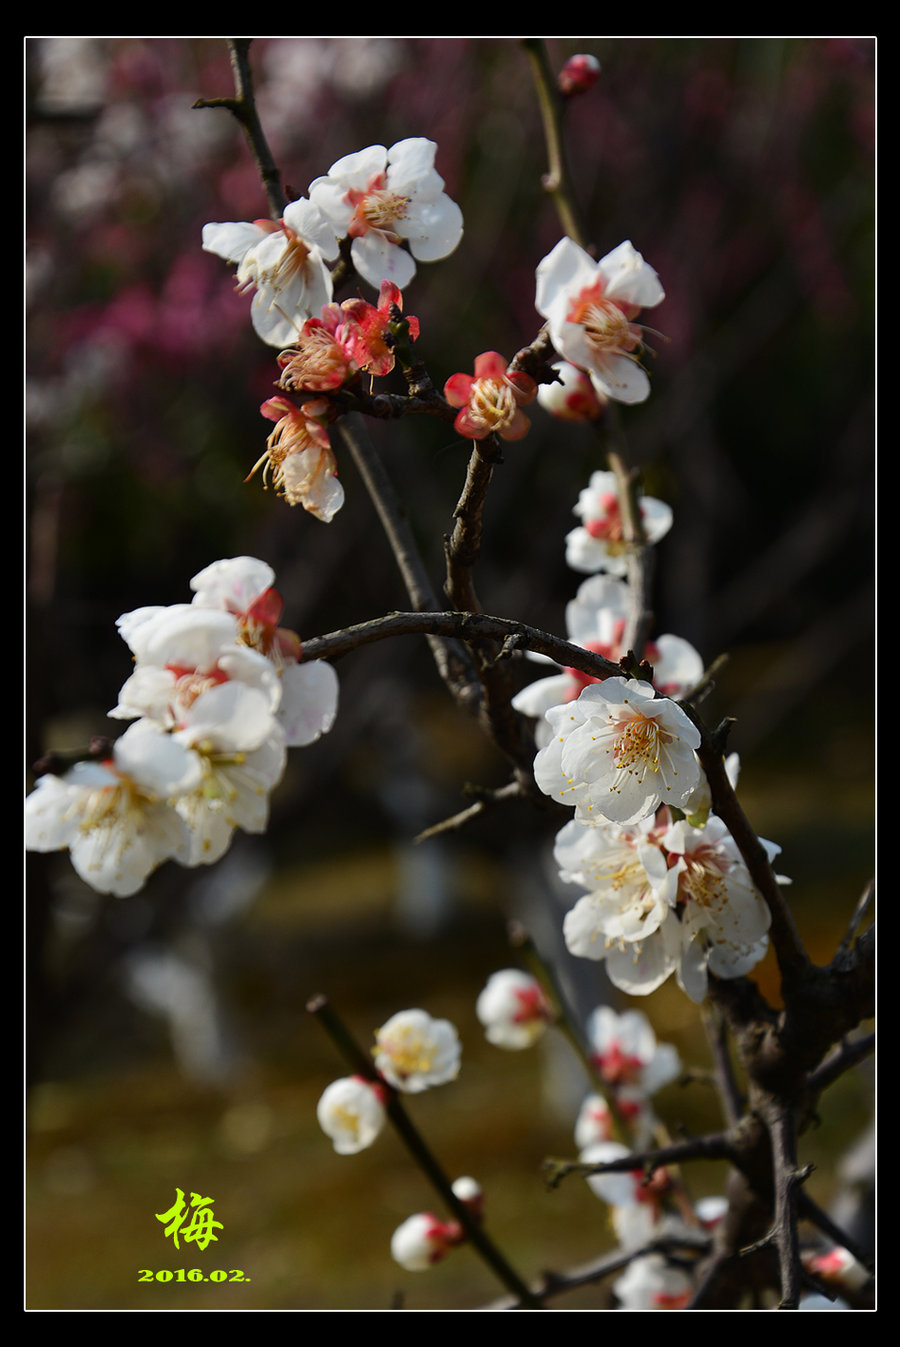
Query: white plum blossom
x=612, y=863
x=513, y=1009
x=117, y=817
x=574, y=398
x=652, y=1283
x=723, y=919
x=423, y=1240
x=595, y=620
x=414, y=1052
x=590, y=307
x=382, y=198
x=618, y=752
x=182, y=654
x=243, y=754
x=351, y=1112
x=243, y=587
x=626, y=1051
x=595, y=1120
x=598, y=544
x=284, y=263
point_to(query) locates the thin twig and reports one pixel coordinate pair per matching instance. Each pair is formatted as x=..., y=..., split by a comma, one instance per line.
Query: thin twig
x=487, y=799
x=855, y=922
x=792, y=957
x=558, y=181
x=713, y=1146
x=453, y=662
x=243, y=108
x=717, y=1037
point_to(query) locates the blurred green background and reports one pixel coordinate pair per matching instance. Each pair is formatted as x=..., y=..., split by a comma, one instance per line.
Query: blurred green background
x=168, y=1041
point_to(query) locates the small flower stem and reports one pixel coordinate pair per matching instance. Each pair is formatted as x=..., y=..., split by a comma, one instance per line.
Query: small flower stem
x=639, y=557
x=420, y=1152
x=558, y=181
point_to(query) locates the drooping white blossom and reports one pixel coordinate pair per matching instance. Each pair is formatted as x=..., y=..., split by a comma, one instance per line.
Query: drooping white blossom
x=723, y=919
x=513, y=1009
x=351, y=1112
x=421, y=1241
x=598, y=544
x=117, y=817
x=618, y=752
x=284, y=263
x=590, y=307
x=414, y=1052
x=382, y=197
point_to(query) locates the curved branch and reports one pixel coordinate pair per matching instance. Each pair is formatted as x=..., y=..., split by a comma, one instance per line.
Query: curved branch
x=558, y=182
x=468, y=627
x=243, y=108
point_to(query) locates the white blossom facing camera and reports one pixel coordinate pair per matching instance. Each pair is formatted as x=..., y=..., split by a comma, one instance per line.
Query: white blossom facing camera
x=382, y=197
x=590, y=307
x=618, y=752
x=414, y=1052
x=351, y=1112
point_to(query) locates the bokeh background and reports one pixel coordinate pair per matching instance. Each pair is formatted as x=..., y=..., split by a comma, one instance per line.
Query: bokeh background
x=168, y=1045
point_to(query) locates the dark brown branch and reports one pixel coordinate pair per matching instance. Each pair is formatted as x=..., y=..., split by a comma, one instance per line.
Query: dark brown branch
x=856, y=920
x=453, y=662
x=469, y=627
x=792, y=957
x=786, y=1177
x=639, y=558
x=714, y=1146
x=243, y=108
x=717, y=1037
x=552, y=1284
x=846, y=1055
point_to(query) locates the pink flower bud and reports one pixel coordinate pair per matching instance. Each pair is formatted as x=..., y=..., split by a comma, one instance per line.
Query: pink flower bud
x=579, y=74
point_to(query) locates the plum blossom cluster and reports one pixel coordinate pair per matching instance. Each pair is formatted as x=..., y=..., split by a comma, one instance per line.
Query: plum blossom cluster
x=667, y=891
x=662, y=898
x=389, y=205
x=389, y=202
x=217, y=696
